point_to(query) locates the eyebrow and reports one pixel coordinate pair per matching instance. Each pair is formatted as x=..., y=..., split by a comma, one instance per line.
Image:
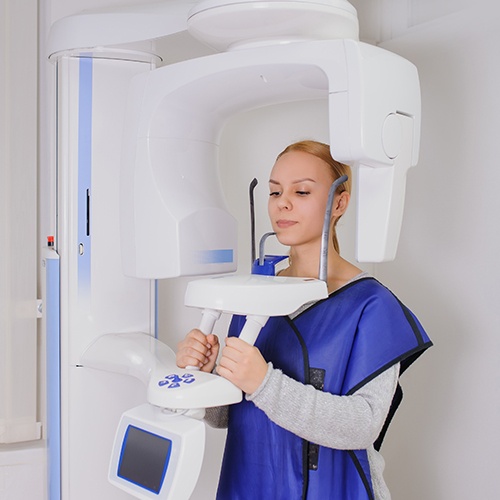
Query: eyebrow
x=298, y=181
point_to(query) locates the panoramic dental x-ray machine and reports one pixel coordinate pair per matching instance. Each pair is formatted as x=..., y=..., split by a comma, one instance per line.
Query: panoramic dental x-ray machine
x=172, y=215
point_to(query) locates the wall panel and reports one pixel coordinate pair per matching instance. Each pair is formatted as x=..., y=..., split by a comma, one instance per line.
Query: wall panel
x=18, y=253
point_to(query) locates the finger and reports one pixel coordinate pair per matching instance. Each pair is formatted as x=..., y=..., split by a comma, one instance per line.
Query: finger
x=238, y=350
x=199, y=336
x=192, y=354
x=231, y=356
x=195, y=340
x=212, y=341
x=238, y=344
x=230, y=359
x=224, y=372
x=199, y=352
x=227, y=369
x=233, y=371
x=210, y=345
x=207, y=344
x=185, y=360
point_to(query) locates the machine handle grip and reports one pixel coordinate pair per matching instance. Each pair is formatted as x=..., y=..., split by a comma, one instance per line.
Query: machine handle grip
x=208, y=319
x=252, y=327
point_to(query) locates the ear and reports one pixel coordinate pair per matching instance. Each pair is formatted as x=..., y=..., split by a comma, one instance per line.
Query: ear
x=340, y=204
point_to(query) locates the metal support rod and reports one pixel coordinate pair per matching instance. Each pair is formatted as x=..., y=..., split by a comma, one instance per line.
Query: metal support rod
x=325, y=236
x=252, y=217
x=261, y=247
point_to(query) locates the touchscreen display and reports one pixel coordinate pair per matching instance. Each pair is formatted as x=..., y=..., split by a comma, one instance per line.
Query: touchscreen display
x=144, y=458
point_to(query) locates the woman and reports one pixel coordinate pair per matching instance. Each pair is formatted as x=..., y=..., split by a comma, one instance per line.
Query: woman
x=319, y=385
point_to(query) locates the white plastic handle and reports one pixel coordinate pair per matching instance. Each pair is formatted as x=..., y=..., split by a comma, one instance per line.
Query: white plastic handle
x=208, y=319
x=252, y=327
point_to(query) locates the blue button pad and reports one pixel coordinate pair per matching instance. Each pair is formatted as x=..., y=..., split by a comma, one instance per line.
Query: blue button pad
x=174, y=381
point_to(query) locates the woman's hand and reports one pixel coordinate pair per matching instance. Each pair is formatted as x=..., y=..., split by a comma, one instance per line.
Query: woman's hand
x=198, y=349
x=242, y=364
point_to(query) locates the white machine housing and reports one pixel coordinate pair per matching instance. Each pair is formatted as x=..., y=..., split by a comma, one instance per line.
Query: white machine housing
x=157, y=453
x=174, y=120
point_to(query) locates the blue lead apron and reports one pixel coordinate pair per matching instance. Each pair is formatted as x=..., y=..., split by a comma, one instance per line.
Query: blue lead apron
x=338, y=345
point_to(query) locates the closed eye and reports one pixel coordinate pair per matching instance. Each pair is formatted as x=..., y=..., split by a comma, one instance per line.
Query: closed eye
x=274, y=193
x=303, y=193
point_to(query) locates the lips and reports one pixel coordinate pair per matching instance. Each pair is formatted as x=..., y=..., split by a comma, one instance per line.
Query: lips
x=284, y=223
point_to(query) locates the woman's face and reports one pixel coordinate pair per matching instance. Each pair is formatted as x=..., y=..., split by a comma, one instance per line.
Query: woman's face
x=299, y=185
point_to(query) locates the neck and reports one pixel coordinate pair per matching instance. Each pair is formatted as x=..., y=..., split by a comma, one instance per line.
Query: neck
x=305, y=264
x=305, y=260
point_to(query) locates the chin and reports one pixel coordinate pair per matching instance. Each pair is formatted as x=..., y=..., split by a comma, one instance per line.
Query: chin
x=286, y=240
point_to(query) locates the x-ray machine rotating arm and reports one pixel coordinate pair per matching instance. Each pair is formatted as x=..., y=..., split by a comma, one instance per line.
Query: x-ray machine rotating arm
x=176, y=113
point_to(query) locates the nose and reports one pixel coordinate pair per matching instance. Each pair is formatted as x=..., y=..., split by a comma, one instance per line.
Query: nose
x=284, y=203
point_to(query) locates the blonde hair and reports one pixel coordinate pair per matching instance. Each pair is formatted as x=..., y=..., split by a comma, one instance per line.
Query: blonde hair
x=337, y=169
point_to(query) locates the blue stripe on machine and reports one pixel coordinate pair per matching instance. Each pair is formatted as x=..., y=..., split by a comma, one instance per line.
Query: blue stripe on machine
x=215, y=256
x=84, y=172
x=52, y=314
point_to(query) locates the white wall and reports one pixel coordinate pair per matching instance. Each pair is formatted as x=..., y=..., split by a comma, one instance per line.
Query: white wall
x=18, y=161
x=22, y=466
x=444, y=442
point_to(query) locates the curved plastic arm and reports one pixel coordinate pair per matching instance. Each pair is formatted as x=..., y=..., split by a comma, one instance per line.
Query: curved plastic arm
x=135, y=354
x=168, y=386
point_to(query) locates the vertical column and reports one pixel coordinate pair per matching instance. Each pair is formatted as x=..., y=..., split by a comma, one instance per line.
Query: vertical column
x=95, y=297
